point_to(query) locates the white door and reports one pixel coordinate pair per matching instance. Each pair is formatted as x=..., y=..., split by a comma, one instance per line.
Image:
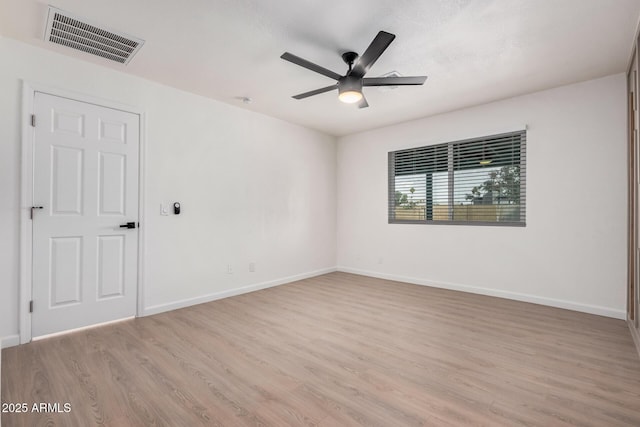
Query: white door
x=85, y=266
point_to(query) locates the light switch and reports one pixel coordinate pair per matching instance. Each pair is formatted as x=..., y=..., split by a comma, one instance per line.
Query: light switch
x=164, y=209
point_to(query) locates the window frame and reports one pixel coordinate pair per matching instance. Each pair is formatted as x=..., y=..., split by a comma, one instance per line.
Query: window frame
x=451, y=149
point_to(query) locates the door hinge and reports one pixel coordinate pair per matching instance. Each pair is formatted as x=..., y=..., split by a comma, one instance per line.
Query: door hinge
x=33, y=120
x=31, y=306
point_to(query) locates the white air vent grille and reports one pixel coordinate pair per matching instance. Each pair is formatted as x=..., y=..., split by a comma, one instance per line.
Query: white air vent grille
x=67, y=30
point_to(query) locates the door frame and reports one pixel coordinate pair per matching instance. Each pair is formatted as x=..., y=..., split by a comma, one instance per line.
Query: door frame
x=633, y=267
x=29, y=90
x=632, y=212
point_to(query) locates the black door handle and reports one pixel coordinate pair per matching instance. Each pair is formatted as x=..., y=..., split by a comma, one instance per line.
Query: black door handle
x=128, y=225
x=34, y=208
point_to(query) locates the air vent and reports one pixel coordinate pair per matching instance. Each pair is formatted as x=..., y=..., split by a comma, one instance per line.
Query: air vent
x=389, y=88
x=68, y=30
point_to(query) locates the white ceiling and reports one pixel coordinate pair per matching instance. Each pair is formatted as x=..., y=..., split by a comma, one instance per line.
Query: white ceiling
x=474, y=51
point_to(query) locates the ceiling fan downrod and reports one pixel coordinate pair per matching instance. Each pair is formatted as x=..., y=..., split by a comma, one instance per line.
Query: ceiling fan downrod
x=349, y=58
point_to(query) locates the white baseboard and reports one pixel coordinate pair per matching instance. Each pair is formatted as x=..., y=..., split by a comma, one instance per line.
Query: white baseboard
x=569, y=305
x=635, y=334
x=160, y=308
x=9, y=341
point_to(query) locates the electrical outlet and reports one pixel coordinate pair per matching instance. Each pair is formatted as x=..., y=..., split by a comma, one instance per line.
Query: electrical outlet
x=229, y=269
x=252, y=267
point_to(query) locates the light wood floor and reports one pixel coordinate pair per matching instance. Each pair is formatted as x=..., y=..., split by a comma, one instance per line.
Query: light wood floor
x=336, y=350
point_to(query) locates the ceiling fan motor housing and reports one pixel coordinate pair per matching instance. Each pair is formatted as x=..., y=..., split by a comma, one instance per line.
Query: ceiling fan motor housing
x=349, y=84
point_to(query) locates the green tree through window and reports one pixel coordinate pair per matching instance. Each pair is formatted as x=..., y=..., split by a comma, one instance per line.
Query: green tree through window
x=503, y=187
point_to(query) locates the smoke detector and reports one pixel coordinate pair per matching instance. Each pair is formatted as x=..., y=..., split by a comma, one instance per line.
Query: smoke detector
x=77, y=33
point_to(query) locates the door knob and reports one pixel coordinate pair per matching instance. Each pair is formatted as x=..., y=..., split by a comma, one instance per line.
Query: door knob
x=128, y=225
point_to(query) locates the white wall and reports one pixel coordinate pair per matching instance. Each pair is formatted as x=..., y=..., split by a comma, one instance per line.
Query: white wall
x=259, y=189
x=572, y=252
x=252, y=188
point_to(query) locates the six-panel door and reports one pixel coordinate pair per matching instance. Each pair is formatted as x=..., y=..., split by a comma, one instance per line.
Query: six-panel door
x=86, y=180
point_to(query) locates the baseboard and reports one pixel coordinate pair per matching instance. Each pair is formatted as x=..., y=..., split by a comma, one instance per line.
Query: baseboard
x=161, y=308
x=569, y=305
x=9, y=341
x=635, y=334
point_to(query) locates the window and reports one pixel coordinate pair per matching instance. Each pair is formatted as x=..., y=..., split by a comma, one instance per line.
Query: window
x=478, y=181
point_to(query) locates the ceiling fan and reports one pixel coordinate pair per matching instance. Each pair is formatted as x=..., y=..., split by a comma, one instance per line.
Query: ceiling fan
x=350, y=85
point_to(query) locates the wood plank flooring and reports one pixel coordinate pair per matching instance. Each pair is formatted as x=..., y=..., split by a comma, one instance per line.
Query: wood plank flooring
x=336, y=350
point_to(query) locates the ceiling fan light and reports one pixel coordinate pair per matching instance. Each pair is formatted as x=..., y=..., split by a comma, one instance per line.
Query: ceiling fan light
x=350, y=89
x=350, y=96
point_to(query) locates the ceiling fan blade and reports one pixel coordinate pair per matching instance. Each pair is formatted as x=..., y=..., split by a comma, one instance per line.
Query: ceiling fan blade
x=363, y=102
x=315, y=92
x=310, y=65
x=379, y=44
x=393, y=81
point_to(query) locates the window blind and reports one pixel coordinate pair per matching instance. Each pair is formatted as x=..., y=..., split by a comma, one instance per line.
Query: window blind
x=479, y=181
